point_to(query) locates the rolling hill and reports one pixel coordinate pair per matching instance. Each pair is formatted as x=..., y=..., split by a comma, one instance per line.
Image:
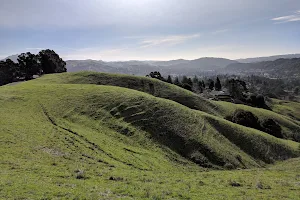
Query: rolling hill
x=108, y=136
x=168, y=91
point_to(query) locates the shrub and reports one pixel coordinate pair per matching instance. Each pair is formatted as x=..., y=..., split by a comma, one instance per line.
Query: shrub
x=272, y=127
x=187, y=86
x=245, y=118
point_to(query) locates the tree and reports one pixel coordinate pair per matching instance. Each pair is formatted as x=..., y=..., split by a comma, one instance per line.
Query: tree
x=195, y=80
x=187, y=83
x=51, y=62
x=184, y=80
x=14, y=69
x=296, y=91
x=211, y=84
x=218, y=85
x=169, y=80
x=7, y=71
x=176, y=81
x=187, y=86
x=260, y=101
x=190, y=82
x=29, y=65
x=236, y=88
x=200, y=86
x=272, y=127
x=203, y=84
x=245, y=118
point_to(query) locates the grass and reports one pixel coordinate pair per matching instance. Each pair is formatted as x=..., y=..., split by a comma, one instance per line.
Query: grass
x=290, y=125
x=287, y=108
x=85, y=141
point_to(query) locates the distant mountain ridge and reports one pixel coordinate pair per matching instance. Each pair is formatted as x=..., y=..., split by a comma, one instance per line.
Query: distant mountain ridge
x=12, y=57
x=145, y=67
x=287, y=65
x=278, y=68
x=267, y=58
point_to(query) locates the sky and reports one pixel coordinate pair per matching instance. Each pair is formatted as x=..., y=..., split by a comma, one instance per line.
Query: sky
x=115, y=30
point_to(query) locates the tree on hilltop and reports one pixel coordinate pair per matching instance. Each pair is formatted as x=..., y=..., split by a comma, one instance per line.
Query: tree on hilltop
x=51, y=62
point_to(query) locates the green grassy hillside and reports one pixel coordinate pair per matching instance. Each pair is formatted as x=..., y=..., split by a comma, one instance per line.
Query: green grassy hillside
x=148, y=85
x=287, y=108
x=106, y=142
x=290, y=125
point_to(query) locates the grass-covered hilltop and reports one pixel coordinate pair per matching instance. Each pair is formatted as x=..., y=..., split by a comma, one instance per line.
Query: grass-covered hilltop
x=90, y=135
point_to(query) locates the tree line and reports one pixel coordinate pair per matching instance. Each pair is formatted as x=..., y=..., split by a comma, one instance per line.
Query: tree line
x=28, y=65
x=192, y=84
x=236, y=88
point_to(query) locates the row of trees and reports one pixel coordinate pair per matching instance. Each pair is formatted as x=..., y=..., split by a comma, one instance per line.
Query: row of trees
x=45, y=62
x=194, y=84
x=237, y=89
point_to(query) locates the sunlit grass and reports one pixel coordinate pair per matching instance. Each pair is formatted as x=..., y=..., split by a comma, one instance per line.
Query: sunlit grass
x=80, y=141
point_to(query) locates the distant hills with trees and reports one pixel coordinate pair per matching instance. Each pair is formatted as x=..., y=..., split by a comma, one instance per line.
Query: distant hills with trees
x=273, y=66
x=268, y=58
x=276, y=69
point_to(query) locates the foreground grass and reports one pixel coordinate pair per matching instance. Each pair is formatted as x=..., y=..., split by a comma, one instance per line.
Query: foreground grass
x=98, y=142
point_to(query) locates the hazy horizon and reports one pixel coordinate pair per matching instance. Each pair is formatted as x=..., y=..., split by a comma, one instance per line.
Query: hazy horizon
x=119, y=30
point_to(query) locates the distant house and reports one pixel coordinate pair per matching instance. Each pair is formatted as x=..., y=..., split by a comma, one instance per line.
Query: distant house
x=224, y=97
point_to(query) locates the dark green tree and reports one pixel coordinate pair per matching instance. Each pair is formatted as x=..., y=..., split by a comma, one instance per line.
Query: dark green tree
x=176, y=81
x=218, y=85
x=190, y=82
x=169, y=79
x=195, y=80
x=29, y=65
x=211, y=84
x=236, y=88
x=51, y=62
x=296, y=91
x=8, y=71
x=184, y=80
x=200, y=86
x=203, y=84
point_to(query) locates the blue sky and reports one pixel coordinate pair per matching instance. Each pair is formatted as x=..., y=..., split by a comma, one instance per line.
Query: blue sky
x=150, y=29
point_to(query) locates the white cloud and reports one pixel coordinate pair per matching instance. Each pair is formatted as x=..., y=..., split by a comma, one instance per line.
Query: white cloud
x=288, y=18
x=167, y=40
x=93, y=53
x=220, y=31
x=35, y=48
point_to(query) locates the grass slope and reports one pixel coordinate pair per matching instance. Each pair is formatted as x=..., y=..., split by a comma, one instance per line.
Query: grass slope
x=105, y=142
x=287, y=108
x=290, y=125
